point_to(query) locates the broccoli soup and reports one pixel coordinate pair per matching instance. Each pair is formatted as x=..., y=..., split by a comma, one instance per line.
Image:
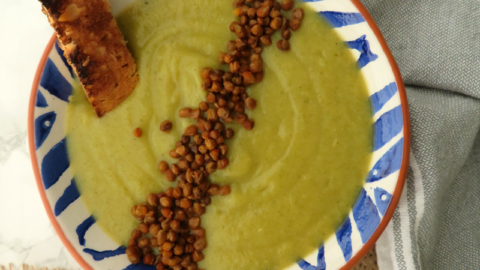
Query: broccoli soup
x=292, y=177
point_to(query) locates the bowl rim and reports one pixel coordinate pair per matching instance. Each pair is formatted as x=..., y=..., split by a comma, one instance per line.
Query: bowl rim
x=33, y=157
x=406, y=137
x=348, y=265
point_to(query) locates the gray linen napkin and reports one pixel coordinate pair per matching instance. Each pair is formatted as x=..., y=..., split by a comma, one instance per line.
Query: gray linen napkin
x=436, y=44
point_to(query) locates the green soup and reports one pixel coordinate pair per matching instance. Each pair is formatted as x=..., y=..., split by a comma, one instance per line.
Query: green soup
x=294, y=177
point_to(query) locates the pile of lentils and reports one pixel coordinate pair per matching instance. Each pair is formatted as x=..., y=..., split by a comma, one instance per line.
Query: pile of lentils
x=169, y=234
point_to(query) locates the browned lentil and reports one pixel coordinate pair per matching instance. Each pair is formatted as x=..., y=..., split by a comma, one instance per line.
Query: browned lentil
x=224, y=190
x=203, y=106
x=286, y=34
x=243, y=19
x=133, y=254
x=211, y=167
x=135, y=234
x=191, y=130
x=182, y=150
x=283, y=45
x=265, y=40
x=222, y=163
x=166, y=202
x=229, y=133
x=250, y=103
x=166, y=126
x=295, y=24
x=248, y=77
x=162, y=166
x=166, y=254
x=266, y=21
x=166, y=212
x=287, y=4
x=214, y=154
x=178, y=143
x=143, y=242
x=185, y=112
x=210, y=144
x=183, y=164
x=205, y=72
x=185, y=203
x=263, y=11
x=223, y=112
x=297, y=14
x=248, y=124
x=137, y=132
x=257, y=30
x=175, y=169
x=258, y=76
x=197, y=256
x=200, y=232
x=195, y=113
x=169, y=175
x=276, y=23
x=143, y=228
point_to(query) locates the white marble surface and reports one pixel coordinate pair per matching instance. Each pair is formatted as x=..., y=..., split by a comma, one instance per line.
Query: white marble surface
x=26, y=235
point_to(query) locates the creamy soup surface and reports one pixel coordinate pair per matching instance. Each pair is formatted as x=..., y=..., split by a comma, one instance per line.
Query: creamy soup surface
x=294, y=177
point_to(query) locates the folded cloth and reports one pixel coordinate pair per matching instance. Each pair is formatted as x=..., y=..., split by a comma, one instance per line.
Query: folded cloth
x=437, y=47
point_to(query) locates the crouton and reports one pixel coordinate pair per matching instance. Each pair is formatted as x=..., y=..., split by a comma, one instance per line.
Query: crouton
x=94, y=46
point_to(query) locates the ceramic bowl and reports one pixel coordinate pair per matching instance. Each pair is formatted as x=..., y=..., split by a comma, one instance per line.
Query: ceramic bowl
x=367, y=220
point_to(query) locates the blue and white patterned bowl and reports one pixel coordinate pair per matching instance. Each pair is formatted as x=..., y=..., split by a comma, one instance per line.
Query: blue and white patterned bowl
x=371, y=212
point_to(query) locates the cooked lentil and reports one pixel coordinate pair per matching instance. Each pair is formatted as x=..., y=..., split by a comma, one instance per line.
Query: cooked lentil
x=166, y=126
x=137, y=132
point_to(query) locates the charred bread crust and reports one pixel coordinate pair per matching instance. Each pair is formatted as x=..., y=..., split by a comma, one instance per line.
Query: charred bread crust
x=94, y=46
x=53, y=5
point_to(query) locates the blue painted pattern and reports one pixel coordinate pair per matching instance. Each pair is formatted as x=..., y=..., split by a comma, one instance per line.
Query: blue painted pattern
x=305, y=265
x=83, y=228
x=344, y=239
x=321, y=265
x=54, y=164
x=366, y=55
x=54, y=82
x=387, y=126
x=40, y=101
x=100, y=255
x=140, y=267
x=366, y=216
x=390, y=162
x=70, y=195
x=382, y=199
x=383, y=96
x=340, y=19
x=43, y=125
x=64, y=60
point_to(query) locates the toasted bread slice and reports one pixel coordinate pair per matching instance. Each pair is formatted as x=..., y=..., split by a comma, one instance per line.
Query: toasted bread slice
x=95, y=48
